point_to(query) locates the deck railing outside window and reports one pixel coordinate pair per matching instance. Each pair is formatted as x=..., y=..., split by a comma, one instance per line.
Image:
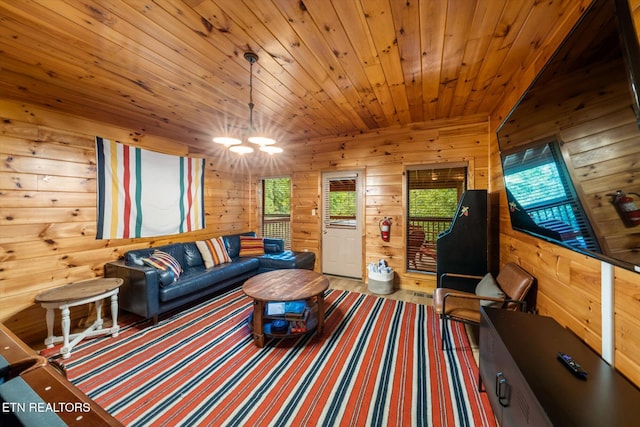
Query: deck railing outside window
x=421, y=242
x=277, y=227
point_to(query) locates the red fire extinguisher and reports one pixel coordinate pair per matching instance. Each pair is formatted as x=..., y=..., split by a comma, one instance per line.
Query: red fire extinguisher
x=385, y=227
x=627, y=208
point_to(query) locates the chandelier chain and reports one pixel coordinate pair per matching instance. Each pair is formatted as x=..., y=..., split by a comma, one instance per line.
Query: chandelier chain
x=250, y=96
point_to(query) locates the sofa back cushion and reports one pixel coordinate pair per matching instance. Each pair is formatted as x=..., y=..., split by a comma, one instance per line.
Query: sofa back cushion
x=192, y=257
x=213, y=252
x=251, y=246
x=163, y=261
x=176, y=250
x=233, y=243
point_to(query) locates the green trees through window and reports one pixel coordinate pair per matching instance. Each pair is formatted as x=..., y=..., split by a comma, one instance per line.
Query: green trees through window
x=277, y=196
x=432, y=200
x=276, y=209
x=438, y=203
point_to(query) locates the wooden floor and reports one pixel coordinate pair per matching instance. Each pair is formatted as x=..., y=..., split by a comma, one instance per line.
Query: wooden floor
x=355, y=285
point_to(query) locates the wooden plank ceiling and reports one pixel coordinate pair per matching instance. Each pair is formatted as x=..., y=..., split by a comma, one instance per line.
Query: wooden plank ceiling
x=175, y=68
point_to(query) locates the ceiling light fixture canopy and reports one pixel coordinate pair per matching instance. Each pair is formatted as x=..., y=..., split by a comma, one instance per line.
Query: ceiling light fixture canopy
x=235, y=144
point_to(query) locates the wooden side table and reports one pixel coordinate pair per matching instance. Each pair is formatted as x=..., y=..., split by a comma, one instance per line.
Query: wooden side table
x=284, y=285
x=85, y=292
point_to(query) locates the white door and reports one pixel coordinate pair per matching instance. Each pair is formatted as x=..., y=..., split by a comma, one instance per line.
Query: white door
x=342, y=224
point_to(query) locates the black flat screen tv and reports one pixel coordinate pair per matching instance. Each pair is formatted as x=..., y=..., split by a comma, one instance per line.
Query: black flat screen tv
x=570, y=148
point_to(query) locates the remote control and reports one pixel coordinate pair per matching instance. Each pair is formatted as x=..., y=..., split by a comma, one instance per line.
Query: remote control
x=572, y=365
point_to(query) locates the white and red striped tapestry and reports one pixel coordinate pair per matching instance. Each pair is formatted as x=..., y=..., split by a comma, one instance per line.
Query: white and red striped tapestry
x=143, y=193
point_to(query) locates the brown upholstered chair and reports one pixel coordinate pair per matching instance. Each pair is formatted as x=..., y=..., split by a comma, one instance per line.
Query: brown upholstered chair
x=508, y=291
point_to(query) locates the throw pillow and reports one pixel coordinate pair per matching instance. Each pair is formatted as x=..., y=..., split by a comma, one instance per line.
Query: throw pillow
x=487, y=287
x=251, y=246
x=163, y=261
x=213, y=252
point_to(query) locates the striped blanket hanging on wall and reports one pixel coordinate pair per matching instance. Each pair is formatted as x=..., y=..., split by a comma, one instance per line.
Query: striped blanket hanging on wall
x=143, y=193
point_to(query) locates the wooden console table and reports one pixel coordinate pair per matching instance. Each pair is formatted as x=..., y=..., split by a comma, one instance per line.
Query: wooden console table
x=85, y=292
x=528, y=386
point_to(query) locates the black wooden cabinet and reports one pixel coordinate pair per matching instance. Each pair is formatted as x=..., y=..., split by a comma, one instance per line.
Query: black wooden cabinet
x=528, y=386
x=463, y=248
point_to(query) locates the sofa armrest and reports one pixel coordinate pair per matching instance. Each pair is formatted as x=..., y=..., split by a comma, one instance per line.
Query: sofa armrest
x=139, y=292
x=273, y=246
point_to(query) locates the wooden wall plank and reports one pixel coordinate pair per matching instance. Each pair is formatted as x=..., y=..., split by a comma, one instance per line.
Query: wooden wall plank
x=384, y=155
x=48, y=207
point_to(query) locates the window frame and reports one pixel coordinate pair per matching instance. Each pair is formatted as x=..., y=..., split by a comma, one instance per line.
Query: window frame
x=411, y=248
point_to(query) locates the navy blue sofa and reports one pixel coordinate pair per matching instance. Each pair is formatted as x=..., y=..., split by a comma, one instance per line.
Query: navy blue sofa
x=145, y=293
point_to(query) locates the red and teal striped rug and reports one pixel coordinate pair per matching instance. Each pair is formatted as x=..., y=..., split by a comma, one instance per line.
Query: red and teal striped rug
x=378, y=363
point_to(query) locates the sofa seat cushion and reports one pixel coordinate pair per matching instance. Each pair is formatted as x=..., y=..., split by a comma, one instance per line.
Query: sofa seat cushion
x=198, y=278
x=287, y=259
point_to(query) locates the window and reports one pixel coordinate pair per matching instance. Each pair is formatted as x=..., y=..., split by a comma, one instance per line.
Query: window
x=542, y=198
x=432, y=199
x=341, y=208
x=276, y=209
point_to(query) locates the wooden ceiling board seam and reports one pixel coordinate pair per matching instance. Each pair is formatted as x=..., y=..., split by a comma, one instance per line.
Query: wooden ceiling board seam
x=104, y=113
x=269, y=87
x=484, y=23
x=70, y=26
x=433, y=17
x=355, y=25
x=382, y=27
x=458, y=23
x=338, y=43
x=529, y=40
x=282, y=58
x=325, y=85
x=512, y=17
x=342, y=89
x=407, y=21
x=271, y=100
x=81, y=71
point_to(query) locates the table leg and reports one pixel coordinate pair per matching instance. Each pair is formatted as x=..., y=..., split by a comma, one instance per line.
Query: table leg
x=98, y=322
x=320, y=327
x=115, y=328
x=258, y=332
x=66, y=326
x=50, y=337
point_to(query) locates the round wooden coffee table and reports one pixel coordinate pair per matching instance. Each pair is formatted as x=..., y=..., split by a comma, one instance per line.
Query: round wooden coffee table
x=85, y=292
x=281, y=286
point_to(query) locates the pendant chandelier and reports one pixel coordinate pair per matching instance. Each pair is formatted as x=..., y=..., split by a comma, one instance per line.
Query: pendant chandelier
x=264, y=143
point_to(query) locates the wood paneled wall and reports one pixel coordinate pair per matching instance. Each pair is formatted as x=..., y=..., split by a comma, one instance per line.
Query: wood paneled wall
x=382, y=156
x=568, y=284
x=48, y=207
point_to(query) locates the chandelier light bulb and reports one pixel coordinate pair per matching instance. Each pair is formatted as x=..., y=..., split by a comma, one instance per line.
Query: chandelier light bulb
x=270, y=149
x=235, y=144
x=227, y=141
x=241, y=149
x=261, y=140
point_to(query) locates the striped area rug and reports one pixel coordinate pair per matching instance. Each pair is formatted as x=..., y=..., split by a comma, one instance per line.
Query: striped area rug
x=378, y=363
